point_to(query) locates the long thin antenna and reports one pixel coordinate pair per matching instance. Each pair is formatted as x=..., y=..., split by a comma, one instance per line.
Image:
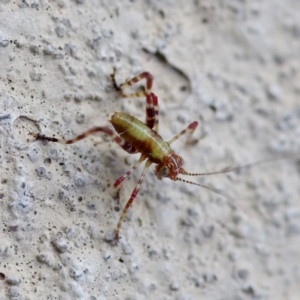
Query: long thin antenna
x=229, y=169
x=204, y=186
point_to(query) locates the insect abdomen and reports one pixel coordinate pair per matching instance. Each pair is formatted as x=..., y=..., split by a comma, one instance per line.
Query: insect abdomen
x=144, y=139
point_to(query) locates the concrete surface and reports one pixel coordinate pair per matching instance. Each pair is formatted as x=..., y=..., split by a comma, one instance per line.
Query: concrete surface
x=233, y=66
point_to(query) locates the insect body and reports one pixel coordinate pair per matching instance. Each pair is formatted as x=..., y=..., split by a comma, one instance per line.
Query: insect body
x=149, y=143
x=138, y=137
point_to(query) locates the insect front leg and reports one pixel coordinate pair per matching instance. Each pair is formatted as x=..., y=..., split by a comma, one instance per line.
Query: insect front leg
x=123, y=144
x=120, y=180
x=132, y=197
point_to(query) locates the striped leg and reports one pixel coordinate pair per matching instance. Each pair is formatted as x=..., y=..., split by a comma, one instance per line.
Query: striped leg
x=132, y=197
x=152, y=111
x=144, y=75
x=151, y=98
x=191, y=128
x=120, y=180
x=123, y=144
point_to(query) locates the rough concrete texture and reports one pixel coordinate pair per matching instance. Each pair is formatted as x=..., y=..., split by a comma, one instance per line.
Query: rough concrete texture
x=231, y=65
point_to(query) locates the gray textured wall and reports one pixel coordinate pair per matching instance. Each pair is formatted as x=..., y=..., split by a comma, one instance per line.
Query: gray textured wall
x=233, y=66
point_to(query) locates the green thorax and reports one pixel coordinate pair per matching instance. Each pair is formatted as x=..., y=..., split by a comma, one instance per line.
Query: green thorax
x=144, y=139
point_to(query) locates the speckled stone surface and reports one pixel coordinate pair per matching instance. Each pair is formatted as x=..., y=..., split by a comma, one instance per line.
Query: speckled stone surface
x=233, y=66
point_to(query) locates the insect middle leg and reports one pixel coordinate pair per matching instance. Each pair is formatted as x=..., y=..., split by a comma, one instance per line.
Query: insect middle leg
x=190, y=129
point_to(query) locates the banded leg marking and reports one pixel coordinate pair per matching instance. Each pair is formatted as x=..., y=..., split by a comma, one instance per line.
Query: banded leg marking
x=191, y=128
x=151, y=98
x=123, y=144
x=152, y=111
x=120, y=180
x=132, y=197
x=155, y=104
x=144, y=75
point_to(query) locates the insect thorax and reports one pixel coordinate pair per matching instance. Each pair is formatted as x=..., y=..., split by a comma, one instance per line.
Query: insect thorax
x=144, y=139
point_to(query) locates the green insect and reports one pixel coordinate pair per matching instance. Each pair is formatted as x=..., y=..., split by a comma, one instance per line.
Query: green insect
x=135, y=136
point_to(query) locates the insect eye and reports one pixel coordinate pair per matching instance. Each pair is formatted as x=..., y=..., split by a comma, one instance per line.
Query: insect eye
x=164, y=171
x=180, y=160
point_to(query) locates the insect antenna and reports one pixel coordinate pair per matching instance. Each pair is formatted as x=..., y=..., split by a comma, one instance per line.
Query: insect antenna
x=238, y=168
x=204, y=186
x=225, y=170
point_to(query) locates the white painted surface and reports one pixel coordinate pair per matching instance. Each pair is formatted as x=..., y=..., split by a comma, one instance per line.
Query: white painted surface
x=231, y=65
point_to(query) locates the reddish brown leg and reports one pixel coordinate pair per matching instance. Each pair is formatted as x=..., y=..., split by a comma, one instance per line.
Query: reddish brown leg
x=123, y=144
x=191, y=128
x=151, y=98
x=144, y=75
x=155, y=103
x=132, y=197
x=120, y=180
x=152, y=111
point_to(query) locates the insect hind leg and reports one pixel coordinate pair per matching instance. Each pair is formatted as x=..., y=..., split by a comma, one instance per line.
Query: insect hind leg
x=148, y=86
x=151, y=98
x=123, y=144
x=152, y=120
